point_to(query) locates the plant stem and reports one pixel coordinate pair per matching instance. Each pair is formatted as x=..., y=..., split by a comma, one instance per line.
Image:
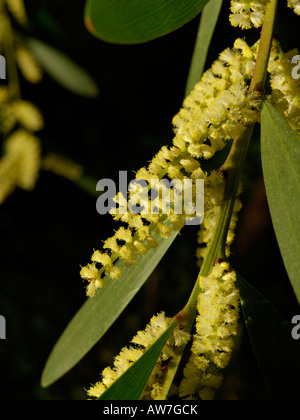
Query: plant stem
x=232, y=169
x=263, y=56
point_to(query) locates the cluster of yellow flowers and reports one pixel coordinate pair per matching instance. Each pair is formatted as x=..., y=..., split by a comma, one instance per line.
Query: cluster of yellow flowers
x=216, y=326
x=295, y=5
x=285, y=88
x=19, y=167
x=140, y=343
x=20, y=164
x=19, y=119
x=214, y=194
x=250, y=13
x=217, y=110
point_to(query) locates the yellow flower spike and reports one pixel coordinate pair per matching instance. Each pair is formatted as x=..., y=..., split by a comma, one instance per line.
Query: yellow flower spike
x=212, y=114
x=26, y=149
x=128, y=355
x=285, y=94
x=20, y=165
x=29, y=67
x=216, y=325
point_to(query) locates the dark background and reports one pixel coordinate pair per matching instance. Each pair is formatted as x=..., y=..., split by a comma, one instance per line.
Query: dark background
x=48, y=233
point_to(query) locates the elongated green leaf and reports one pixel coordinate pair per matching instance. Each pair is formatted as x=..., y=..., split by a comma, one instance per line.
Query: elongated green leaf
x=277, y=353
x=132, y=383
x=98, y=313
x=62, y=69
x=137, y=21
x=280, y=148
x=208, y=22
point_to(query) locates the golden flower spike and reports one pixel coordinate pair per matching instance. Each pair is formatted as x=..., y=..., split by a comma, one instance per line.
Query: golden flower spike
x=217, y=110
x=216, y=326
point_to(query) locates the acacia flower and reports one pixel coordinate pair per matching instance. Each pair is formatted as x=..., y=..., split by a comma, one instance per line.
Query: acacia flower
x=248, y=13
x=295, y=5
x=216, y=326
x=140, y=343
x=285, y=94
x=19, y=167
x=217, y=110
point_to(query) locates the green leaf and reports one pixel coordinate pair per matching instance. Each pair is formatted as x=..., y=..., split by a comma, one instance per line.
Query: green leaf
x=62, y=69
x=280, y=149
x=137, y=21
x=132, y=383
x=97, y=314
x=208, y=22
x=277, y=353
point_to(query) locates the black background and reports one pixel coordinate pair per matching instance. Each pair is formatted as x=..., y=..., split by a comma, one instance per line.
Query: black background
x=48, y=233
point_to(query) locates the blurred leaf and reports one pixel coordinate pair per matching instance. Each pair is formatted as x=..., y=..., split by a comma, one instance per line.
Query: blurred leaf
x=132, y=383
x=137, y=21
x=280, y=148
x=208, y=22
x=62, y=69
x=98, y=313
x=277, y=353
